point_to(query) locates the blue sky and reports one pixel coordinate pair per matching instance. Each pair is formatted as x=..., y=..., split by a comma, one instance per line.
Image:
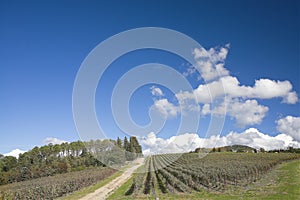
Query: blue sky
x=44, y=43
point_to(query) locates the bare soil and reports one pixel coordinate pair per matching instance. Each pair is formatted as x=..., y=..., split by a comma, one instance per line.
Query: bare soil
x=106, y=190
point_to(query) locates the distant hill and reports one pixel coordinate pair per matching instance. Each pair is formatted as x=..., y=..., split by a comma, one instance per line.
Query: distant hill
x=233, y=148
x=239, y=148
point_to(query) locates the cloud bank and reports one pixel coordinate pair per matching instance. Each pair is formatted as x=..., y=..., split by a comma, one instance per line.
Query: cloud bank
x=190, y=141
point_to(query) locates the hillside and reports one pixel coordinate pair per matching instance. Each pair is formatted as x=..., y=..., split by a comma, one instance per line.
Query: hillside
x=215, y=176
x=51, y=159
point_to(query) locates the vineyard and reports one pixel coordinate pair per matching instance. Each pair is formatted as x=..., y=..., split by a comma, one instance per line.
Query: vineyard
x=54, y=186
x=169, y=173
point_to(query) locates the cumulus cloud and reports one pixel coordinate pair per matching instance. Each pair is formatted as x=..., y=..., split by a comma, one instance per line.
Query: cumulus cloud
x=170, y=110
x=53, y=141
x=155, y=91
x=244, y=112
x=234, y=99
x=205, y=109
x=230, y=86
x=254, y=138
x=166, y=108
x=289, y=125
x=190, y=141
x=175, y=144
x=15, y=153
x=247, y=112
x=291, y=98
x=210, y=63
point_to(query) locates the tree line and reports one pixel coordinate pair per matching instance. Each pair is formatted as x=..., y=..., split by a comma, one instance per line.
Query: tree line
x=54, y=159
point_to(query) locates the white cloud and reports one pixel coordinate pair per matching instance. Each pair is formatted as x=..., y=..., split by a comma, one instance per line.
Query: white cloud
x=254, y=138
x=240, y=102
x=290, y=98
x=267, y=89
x=247, y=112
x=290, y=125
x=205, y=109
x=244, y=112
x=190, y=71
x=190, y=141
x=166, y=108
x=155, y=91
x=15, y=153
x=210, y=63
x=169, y=110
x=53, y=141
x=175, y=144
x=229, y=85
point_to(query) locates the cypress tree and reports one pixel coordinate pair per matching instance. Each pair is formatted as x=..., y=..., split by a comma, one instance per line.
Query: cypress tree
x=119, y=142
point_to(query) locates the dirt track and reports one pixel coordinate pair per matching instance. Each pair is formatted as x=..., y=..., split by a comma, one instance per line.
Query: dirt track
x=106, y=190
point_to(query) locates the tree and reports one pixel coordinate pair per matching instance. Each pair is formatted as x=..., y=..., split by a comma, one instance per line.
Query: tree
x=8, y=163
x=132, y=148
x=136, y=147
x=116, y=156
x=64, y=166
x=119, y=142
x=290, y=149
x=56, y=150
x=61, y=158
x=126, y=144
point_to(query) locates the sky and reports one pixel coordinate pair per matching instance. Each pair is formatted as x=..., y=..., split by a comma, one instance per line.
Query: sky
x=253, y=46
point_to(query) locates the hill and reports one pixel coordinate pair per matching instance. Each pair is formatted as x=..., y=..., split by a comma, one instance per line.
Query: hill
x=233, y=148
x=52, y=159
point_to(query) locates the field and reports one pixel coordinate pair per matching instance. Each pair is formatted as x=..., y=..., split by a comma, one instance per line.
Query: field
x=216, y=176
x=172, y=176
x=54, y=186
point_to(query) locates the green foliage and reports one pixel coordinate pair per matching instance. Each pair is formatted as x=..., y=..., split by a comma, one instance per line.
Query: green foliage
x=131, y=189
x=133, y=148
x=288, y=150
x=119, y=142
x=52, y=159
x=8, y=163
x=262, y=150
x=233, y=148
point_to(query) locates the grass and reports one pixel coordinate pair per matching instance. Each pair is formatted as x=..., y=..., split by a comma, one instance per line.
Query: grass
x=283, y=182
x=120, y=192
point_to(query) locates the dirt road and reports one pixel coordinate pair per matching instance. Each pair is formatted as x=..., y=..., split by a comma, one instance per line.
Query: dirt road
x=106, y=190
